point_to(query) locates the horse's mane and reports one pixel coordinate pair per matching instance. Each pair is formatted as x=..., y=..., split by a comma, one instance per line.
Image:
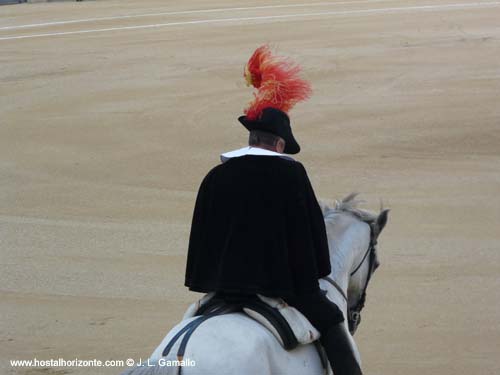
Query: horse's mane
x=349, y=205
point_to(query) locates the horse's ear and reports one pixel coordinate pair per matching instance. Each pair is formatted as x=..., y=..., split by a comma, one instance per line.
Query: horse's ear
x=382, y=220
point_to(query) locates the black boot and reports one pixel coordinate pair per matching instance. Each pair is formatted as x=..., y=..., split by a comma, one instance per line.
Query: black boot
x=339, y=351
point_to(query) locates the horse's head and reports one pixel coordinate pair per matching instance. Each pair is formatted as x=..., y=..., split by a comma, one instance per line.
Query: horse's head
x=353, y=236
x=362, y=272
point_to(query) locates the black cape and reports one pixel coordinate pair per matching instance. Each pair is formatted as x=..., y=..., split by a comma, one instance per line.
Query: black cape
x=257, y=228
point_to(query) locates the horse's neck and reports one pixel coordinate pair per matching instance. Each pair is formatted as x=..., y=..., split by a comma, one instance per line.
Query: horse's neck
x=343, y=232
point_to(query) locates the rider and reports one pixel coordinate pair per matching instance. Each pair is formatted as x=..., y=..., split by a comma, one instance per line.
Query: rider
x=257, y=226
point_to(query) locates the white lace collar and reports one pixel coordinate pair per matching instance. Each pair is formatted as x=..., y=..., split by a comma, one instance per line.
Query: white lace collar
x=251, y=151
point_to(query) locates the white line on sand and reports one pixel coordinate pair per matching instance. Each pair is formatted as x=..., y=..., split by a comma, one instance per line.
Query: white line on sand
x=264, y=18
x=96, y=223
x=215, y=10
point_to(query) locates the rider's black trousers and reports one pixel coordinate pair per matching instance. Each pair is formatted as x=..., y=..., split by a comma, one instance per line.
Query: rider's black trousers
x=328, y=320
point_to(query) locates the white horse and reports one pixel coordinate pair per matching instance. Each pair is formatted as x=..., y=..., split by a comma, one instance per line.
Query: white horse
x=236, y=344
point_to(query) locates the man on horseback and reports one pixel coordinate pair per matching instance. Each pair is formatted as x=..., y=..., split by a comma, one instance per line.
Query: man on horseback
x=257, y=226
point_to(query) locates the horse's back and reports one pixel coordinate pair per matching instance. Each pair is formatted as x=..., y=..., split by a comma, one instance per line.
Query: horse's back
x=236, y=344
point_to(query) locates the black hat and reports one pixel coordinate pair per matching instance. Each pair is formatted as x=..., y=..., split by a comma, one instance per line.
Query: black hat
x=276, y=122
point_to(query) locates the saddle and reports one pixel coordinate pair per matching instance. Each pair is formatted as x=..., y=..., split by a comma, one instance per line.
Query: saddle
x=286, y=323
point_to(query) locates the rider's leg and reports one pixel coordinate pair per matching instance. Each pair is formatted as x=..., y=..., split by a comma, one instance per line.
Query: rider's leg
x=339, y=351
x=329, y=320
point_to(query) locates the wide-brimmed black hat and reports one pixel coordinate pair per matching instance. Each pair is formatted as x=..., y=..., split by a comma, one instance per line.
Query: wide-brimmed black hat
x=276, y=122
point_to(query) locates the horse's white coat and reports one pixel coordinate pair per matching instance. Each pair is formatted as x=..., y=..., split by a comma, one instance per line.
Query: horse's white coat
x=236, y=344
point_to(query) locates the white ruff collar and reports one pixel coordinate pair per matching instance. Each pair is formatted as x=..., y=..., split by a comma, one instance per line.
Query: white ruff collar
x=251, y=151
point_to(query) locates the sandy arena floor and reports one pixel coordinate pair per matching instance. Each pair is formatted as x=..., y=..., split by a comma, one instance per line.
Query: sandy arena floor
x=110, y=121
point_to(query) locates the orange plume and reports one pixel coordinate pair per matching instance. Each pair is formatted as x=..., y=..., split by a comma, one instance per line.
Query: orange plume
x=277, y=82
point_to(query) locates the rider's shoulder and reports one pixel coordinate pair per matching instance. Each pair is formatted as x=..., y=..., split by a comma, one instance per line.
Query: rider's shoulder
x=299, y=167
x=209, y=176
x=294, y=171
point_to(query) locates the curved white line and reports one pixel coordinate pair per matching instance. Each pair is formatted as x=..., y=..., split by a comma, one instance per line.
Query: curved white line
x=263, y=18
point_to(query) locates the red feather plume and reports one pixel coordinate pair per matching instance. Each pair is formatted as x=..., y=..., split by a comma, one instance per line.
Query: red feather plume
x=277, y=82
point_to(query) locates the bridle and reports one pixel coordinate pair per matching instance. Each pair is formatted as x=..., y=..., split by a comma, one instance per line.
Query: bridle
x=354, y=312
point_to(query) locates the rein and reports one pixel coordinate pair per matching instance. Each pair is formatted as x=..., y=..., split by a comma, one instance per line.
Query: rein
x=336, y=285
x=363, y=260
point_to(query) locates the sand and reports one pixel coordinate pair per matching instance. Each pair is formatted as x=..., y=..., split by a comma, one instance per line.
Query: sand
x=105, y=137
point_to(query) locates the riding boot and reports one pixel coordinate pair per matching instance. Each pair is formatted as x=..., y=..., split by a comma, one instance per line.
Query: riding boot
x=339, y=351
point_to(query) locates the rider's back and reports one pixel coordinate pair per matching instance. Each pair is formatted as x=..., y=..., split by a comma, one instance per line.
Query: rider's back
x=257, y=228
